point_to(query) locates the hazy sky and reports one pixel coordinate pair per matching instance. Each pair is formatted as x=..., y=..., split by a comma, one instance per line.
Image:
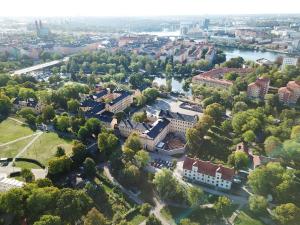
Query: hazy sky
x=144, y=7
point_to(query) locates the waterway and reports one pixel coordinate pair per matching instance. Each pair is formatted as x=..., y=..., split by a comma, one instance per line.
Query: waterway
x=252, y=55
x=176, y=84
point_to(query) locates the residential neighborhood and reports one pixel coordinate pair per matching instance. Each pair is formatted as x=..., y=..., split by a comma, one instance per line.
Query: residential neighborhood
x=179, y=119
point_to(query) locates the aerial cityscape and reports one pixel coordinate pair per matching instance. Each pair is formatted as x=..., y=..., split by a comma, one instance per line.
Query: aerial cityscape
x=149, y=112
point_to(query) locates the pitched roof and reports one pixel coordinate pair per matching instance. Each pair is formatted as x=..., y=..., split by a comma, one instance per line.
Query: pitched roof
x=178, y=116
x=157, y=127
x=208, y=168
x=123, y=94
x=134, y=125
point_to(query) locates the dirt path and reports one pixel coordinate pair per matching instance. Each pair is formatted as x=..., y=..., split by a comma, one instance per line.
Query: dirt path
x=19, y=139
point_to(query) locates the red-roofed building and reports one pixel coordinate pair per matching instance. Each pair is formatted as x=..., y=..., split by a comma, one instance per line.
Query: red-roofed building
x=214, y=77
x=208, y=173
x=259, y=88
x=289, y=94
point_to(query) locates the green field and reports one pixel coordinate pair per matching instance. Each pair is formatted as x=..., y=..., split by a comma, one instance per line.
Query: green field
x=26, y=165
x=245, y=219
x=11, y=150
x=11, y=130
x=44, y=148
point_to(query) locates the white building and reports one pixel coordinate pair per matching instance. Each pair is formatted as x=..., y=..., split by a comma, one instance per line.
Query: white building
x=206, y=172
x=287, y=61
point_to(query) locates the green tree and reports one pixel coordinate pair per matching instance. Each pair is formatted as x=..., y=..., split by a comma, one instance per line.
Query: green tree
x=107, y=142
x=223, y=206
x=195, y=196
x=73, y=105
x=48, y=220
x=48, y=113
x=93, y=125
x=151, y=94
x=287, y=214
x=216, y=111
x=295, y=134
x=249, y=136
x=165, y=184
x=94, y=217
x=152, y=220
x=5, y=105
x=60, y=151
x=142, y=158
x=12, y=202
x=187, y=222
x=62, y=123
x=133, y=142
x=72, y=204
x=79, y=152
x=258, y=204
x=140, y=117
x=89, y=167
x=272, y=145
x=145, y=209
x=130, y=174
x=83, y=133
x=27, y=175
x=26, y=93
x=59, y=165
x=239, y=160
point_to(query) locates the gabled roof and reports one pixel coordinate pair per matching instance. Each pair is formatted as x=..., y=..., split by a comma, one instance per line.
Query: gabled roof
x=123, y=94
x=157, y=127
x=178, y=116
x=134, y=125
x=208, y=168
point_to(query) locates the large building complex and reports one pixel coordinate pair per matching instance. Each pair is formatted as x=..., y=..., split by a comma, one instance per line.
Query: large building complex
x=206, y=172
x=290, y=94
x=153, y=134
x=215, y=77
x=104, y=104
x=259, y=88
x=287, y=61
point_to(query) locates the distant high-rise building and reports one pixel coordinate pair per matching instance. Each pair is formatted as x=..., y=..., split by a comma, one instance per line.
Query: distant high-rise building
x=41, y=31
x=205, y=23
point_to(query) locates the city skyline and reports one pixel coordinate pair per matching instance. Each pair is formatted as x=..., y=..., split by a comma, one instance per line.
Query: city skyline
x=135, y=8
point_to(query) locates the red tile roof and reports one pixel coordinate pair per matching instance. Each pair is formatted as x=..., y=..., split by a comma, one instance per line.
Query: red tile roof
x=208, y=168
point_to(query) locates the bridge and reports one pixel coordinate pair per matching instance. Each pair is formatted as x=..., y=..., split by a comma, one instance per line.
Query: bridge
x=40, y=66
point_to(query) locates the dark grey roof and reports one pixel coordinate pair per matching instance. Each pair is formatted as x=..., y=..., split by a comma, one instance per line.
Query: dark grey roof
x=99, y=94
x=123, y=94
x=134, y=125
x=88, y=103
x=104, y=118
x=177, y=116
x=96, y=109
x=158, y=126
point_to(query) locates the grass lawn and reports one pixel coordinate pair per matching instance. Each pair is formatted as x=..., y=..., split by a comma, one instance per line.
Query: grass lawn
x=44, y=148
x=9, y=151
x=244, y=219
x=26, y=165
x=11, y=130
x=137, y=219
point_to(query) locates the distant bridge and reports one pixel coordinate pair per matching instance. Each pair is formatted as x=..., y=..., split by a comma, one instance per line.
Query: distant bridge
x=40, y=66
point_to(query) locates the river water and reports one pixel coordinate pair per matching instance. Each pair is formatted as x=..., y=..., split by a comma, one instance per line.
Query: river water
x=252, y=55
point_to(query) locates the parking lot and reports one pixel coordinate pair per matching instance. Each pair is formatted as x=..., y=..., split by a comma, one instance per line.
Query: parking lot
x=169, y=104
x=160, y=163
